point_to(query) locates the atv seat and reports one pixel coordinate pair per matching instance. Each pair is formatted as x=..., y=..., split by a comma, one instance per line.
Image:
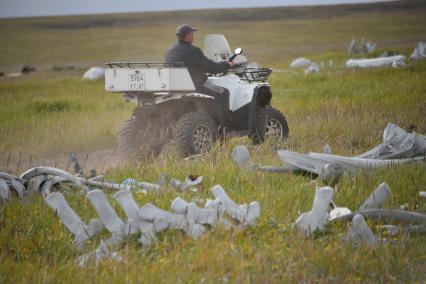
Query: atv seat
x=147, y=77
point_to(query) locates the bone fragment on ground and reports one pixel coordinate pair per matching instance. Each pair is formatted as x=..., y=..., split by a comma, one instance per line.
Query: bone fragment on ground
x=301, y=62
x=315, y=219
x=389, y=215
x=360, y=233
x=419, y=51
x=4, y=191
x=241, y=157
x=331, y=173
x=187, y=183
x=231, y=208
x=218, y=206
x=194, y=214
x=338, y=212
x=377, y=198
x=374, y=62
x=162, y=219
x=129, y=205
x=70, y=219
x=49, y=171
x=397, y=143
x=107, y=214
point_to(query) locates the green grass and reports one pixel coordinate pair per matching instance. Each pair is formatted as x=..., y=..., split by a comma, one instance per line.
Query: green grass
x=48, y=113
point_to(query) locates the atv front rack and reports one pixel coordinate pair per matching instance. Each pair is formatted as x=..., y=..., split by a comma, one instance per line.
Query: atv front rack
x=255, y=74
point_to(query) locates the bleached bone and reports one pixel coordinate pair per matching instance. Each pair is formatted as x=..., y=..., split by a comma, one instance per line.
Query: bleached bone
x=34, y=183
x=420, y=51
x=388, y=215
x=179, y=206
x=4, y=191
x=377, y=199
x=397, y=143
x=71, y=220
x=218, y=206
x=422, y=194
x=374, y=62
x=49, y=183
x=338, y=212
x=253, y=213
x=360, y=233
x=202, y=216
x=145, y=185
x=231, y=208
x=315, y=219
x=131, y=209
x=162, y=219
x=331, y=173
x=7, y=176
x=18, y=187
x=187, y=183
x=105, y=184
x=109, y=217
x=49, y=171
x=194, y=214
x=99, y=178
x=241, y=157
x=360, y=163
x=315, y=162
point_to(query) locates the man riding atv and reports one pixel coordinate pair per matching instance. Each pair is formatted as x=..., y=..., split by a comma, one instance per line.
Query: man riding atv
x=177, y=104
x=198, y=65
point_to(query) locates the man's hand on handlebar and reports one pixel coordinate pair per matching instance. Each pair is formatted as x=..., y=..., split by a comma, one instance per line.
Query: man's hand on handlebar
x=231, y=64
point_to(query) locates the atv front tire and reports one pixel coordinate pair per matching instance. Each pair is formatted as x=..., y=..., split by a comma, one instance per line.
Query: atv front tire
x=270, y=122
x=194, y=133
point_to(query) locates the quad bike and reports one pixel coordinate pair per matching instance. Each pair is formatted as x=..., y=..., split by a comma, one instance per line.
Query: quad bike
x=170, y=111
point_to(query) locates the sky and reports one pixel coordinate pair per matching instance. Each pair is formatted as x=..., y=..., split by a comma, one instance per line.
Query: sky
x=28, y=8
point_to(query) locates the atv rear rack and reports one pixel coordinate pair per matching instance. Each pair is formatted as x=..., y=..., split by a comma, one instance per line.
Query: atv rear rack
x=144, y=65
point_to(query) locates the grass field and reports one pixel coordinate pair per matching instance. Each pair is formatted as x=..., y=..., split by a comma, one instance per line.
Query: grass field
x=48, y=113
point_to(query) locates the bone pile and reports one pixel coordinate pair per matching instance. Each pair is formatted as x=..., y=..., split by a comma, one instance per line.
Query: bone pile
x=149, y=220
x=398, y=147
x=43, y=180
x=319, y=216
x=364, y=47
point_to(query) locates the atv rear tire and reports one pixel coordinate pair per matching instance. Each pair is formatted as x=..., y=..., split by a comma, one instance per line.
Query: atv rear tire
x=270, y=122
x=142, y=135
x=194, y=133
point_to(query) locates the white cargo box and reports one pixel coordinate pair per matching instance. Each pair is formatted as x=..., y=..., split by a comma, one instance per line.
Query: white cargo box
x=147, y=77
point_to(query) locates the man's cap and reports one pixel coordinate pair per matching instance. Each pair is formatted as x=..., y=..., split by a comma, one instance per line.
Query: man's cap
x=184, y=29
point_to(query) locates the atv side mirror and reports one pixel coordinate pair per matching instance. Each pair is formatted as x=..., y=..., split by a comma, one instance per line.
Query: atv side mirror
x=237, y=51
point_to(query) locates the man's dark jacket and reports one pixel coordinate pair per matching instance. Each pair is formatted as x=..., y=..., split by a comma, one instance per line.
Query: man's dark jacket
x=195, y=60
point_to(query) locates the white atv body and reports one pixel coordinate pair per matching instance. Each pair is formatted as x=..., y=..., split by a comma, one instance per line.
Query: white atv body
x=170, y=110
